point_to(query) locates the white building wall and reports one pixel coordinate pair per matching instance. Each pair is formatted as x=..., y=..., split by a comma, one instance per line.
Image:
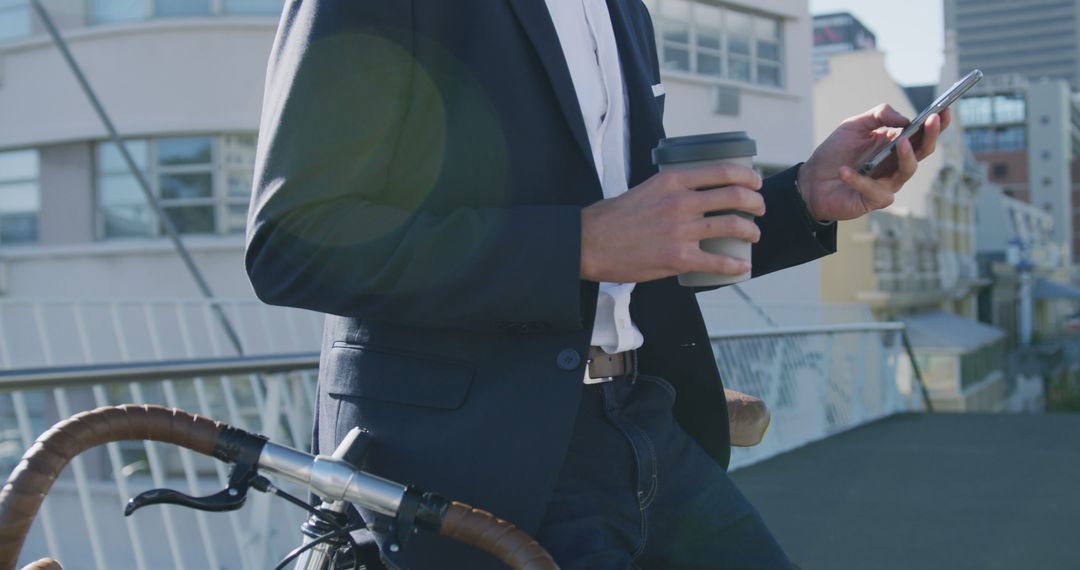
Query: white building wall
x=155, y=77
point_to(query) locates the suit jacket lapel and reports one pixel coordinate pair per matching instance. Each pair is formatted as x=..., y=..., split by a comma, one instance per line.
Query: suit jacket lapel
x=537, y=23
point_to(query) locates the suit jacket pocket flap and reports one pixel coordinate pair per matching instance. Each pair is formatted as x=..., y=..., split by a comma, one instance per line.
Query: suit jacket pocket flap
x=355, y=371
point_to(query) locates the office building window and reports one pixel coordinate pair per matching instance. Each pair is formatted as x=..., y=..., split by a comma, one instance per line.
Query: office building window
x=979, y=140
x=20, y=199
x=14, y=19
x=1010, y=138
x=719, y=41
x=108, y=11
x=202, y=182
x=976, y=111
x=1010, y=109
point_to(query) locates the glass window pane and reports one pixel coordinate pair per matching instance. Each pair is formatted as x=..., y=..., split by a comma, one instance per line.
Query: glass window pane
x=186, y=186
x=19, y=197
x=739, y=45
x=1011, y=138
x=120, y=189
x=181, y=7
x=110, y=160
x=1009, y=109
x=738, y=69
x=739, y=23
x=767, y=28
x=184, y=150
x=677, y=9
x=236, y=218
x=105, y=11
x=19, y=165
x=256, y=7
x=18, y=228
x=768, y=75
x=238, y=183
x=768, y=51
x=708, y=38
x=979, y=140
x=676, y=33
x=238, y=149
x=708, y=64
x=976, y=111
x=14, y=19
x=128, y=221
x=676, y=58
x=192, y=219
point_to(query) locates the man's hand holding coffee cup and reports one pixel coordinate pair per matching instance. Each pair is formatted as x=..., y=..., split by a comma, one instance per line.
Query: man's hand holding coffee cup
x=655, y=229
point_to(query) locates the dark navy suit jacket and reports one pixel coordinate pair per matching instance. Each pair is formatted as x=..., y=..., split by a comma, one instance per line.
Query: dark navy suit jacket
x=421, y=173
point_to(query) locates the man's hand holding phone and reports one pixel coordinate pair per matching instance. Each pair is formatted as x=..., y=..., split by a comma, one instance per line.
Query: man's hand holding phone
x=833, y=190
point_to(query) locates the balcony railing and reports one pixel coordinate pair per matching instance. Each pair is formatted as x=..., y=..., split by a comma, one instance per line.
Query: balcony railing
x=818, y=381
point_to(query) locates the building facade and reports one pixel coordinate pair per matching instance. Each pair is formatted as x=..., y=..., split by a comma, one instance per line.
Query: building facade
x=1034, y=38
x=920, y=253
x=1028, y=135
x=183, y=82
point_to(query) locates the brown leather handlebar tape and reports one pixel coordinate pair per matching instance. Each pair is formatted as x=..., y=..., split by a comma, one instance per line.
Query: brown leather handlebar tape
x=503, y=540
x=32, y=478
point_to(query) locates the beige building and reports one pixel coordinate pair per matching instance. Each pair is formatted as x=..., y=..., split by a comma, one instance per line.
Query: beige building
x=915, y=262
x=918, y=255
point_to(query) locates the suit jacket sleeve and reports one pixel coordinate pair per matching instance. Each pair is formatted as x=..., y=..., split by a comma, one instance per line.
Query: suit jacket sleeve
x=338, y=222
x=788, y=236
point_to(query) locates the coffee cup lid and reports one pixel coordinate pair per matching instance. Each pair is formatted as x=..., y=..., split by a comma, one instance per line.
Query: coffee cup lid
x=716, y=146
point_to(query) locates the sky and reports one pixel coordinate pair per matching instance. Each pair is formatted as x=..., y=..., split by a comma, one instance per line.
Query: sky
x=909, y=32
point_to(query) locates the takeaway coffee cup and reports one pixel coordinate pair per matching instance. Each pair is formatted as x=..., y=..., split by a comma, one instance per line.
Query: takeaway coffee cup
x=683, y=153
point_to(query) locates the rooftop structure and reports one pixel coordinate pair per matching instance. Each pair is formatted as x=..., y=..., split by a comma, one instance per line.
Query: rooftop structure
x=838, y=33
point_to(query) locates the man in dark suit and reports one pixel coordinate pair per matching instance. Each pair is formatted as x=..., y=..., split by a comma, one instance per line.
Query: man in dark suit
x=465, y=188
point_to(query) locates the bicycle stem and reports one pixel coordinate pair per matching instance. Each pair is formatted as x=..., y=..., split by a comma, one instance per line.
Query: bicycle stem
x=333, y=479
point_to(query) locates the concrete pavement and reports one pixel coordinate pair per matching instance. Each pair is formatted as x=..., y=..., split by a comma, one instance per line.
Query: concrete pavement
x=944, y=491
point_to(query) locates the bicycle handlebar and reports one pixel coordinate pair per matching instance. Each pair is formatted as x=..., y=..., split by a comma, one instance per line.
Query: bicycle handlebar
x=333, y=479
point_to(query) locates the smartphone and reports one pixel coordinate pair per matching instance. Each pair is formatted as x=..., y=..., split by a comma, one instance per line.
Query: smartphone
x=940, y=104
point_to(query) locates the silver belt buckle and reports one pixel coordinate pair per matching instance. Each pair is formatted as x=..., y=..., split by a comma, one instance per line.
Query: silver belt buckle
x=590, y=381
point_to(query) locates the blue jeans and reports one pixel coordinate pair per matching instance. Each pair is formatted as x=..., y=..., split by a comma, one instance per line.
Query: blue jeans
x=637, y=492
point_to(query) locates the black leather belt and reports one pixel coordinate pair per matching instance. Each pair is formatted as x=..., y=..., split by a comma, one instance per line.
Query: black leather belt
x=603, y=366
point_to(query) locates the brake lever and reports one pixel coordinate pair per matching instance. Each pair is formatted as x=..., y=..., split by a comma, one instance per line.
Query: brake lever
x=229, y=499
x=244, y=475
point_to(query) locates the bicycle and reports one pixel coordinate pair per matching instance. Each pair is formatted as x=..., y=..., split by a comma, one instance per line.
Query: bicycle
x=328, y=542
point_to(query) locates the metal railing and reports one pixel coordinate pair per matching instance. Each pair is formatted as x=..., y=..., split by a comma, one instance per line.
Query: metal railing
x=818, y=381
x=172, y=353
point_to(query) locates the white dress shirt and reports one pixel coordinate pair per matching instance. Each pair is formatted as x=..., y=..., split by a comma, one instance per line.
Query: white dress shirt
x=588, y=43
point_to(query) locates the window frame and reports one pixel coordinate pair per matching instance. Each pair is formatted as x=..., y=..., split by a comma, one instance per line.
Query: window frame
x=753, y=59
x=34, y=181
x=220, y=200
